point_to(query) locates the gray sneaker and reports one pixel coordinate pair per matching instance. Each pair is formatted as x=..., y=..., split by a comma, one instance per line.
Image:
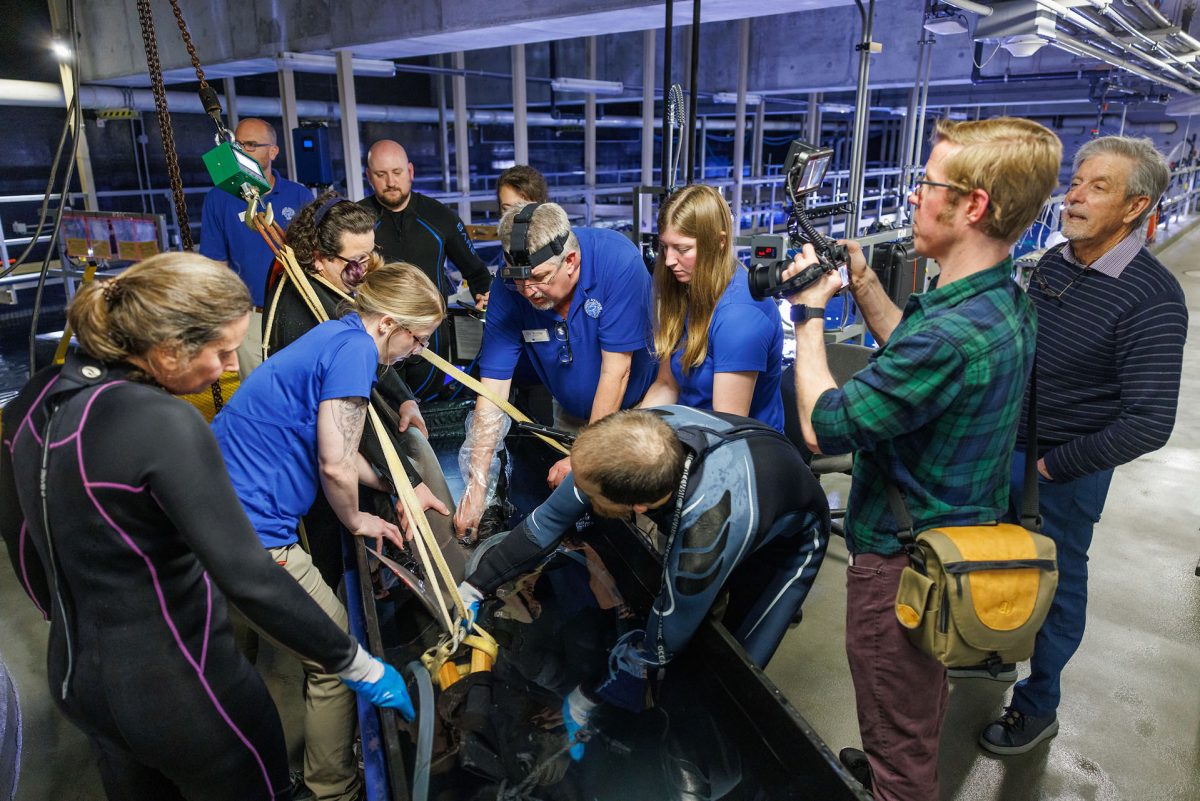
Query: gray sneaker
x=1016, y=733
x=1005, y=672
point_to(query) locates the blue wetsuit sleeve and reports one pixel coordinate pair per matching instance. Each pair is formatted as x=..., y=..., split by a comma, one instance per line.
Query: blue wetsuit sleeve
x=197, y=496
x=533, y=540
x=212, y=229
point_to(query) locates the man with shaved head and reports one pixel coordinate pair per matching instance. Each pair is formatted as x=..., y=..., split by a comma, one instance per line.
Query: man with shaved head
x=224, y=237
x=417, y=229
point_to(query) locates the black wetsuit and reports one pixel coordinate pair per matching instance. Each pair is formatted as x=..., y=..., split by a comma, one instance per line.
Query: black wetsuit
x=291, y=320
x=427, y=233
x=752, y=520
x=131, y=555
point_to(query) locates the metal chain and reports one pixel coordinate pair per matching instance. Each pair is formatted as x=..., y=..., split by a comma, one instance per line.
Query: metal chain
x=146, y=17
x=187, y=42
x=521, y=790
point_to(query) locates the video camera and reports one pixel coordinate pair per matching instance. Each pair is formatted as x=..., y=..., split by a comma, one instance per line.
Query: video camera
x=772, y=254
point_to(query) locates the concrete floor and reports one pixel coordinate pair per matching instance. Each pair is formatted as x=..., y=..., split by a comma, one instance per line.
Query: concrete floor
x=1130, y=719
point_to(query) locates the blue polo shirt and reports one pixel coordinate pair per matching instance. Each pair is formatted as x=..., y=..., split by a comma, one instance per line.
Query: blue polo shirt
x=224, y=237
x=268, y=430
x=744, y=335
x=610, y=311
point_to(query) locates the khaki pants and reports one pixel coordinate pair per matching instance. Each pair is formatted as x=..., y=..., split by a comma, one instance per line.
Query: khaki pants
x=249, y=353
x=329, y=706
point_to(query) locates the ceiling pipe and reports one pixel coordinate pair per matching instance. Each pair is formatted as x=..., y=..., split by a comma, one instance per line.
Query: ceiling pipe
x=1079, y=47
x=967, y=5
x=50, y=95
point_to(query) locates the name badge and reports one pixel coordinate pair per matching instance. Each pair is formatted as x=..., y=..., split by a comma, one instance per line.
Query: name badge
x=532, y=335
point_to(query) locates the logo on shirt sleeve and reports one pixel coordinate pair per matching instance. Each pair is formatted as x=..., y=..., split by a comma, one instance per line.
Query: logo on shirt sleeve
x=593, y=308
x=288, y=213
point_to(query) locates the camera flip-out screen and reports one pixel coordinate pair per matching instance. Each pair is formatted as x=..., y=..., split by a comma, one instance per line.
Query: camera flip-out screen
x=806, y=166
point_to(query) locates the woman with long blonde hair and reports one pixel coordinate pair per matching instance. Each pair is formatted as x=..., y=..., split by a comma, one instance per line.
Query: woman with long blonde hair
x=718, y=348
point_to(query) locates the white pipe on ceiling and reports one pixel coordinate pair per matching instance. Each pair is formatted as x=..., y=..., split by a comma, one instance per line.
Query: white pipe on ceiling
x=50, y=95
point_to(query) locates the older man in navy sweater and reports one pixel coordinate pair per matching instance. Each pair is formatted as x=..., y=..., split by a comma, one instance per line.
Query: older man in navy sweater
x=1111, y=327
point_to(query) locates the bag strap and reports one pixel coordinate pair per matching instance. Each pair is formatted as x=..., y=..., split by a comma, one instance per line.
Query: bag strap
x=1030, y=517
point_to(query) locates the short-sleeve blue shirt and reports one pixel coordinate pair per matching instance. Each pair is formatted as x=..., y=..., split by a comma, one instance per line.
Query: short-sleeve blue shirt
x=268, y=429
x=224, y=237
x=744, y=335
x=609, y=311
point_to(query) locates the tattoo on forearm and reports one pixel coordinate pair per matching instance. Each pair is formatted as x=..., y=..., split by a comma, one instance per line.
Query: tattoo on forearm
x=349, y=415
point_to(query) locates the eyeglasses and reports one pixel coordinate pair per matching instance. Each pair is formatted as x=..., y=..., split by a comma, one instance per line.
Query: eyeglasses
x=1044, y=285
x=919, y=186
x=423, y=341
x=362, y=262
x=564, y=351
x=524, y=283
x=252, y=145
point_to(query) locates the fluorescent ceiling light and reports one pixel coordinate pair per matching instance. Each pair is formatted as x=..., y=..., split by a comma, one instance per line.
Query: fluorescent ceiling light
x=731, y=97
x=1024, y=45
x=946, y=24
x=587, y=86
x=837, y=108
x=327, y=65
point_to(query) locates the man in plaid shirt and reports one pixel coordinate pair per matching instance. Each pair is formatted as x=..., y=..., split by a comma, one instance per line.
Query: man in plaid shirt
x=936, y=411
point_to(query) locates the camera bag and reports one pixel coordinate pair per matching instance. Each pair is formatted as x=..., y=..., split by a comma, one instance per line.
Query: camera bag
x=978, y=594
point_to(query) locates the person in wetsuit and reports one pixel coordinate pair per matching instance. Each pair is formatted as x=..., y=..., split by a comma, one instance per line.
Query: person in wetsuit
x=740, y=512
x=125, y=532
x=417, y=229
x=293, y=427
x=334, y=242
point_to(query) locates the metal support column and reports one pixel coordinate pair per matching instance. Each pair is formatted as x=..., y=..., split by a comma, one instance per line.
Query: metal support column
x=702, y=148
x=693, y=90
x=862, y=111
x=648, y=50
x=443, y=126
x=351, y=148
x=756, y=151
x=83, y=154
x=812, y=119
x=462, y=158
x=739, y=122
x=519, y=96
x=589, y=121
x=287, y=103
x=668, y=36
x=231, y=104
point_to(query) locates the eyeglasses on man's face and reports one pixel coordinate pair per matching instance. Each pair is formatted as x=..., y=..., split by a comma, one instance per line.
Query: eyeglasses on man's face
x=918, y=187
x=251, y=145
x=546, y=280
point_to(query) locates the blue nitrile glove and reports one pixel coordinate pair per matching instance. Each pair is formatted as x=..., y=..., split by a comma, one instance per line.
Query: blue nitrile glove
x=577, y=711
x=379, y=683
x=472, y=598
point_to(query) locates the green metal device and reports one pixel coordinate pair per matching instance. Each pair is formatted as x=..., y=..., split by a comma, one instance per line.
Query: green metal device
x=234, y=171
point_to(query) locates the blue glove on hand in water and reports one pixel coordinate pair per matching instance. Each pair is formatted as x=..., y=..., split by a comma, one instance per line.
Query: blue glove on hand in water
x=577, y=711
x=379, y=683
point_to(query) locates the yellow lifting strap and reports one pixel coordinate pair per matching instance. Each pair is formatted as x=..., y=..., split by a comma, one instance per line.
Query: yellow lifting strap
x=430, y=554
x=60, y=353
x=472, y=384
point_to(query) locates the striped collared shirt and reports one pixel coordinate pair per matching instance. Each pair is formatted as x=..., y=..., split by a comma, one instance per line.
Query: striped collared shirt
x=1115, y=260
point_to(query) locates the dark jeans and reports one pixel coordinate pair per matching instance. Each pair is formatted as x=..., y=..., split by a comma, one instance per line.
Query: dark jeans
x=1069, y=510
x=900, y=692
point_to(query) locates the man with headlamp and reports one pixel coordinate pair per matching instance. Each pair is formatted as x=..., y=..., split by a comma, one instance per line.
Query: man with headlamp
x=577, y=303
